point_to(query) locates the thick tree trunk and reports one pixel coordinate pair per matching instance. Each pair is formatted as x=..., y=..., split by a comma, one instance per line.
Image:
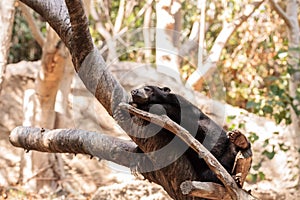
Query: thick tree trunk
x=63, y=116
x=167, y=37
x=294, y=83
x=49, y=77
x=39, y=111
x=293, y=61
x=100, y=82
x=147, y=32
x=71, y=24
x=290, y=17
x=7, y=10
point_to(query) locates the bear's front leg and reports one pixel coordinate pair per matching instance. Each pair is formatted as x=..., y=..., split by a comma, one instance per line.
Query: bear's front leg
x=243, y=158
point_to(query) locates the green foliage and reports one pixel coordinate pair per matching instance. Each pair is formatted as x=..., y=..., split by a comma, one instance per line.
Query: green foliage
x=274, y=99
x=270, y=154
x=254, y=65
x=257, y=175
x=24, y=47
x=128, y=41
x=189, y=17
x=253, y=137
x=270, y=149
x=255, y=68
x=283, y=147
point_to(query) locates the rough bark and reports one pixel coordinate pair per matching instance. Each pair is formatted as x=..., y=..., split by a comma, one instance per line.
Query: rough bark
x=74, y=141
x=205, y=190
x=80, y=30
x=57, y=18
x=73, y=30
x=242, y=165
x=107, y=89
x=210, y=191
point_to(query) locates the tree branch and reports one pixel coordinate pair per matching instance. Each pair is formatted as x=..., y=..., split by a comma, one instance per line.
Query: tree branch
x=74, y=141
x=165, y=122
x=81, y=37
x=201, y=5
x=281, y=13
x=204, y=190
x=108, y=91
x=211, y=191
x=57, y=18
x=36, y=33
x=232, y=190
x=198, y=76
x=7, y=10
x=119, y=17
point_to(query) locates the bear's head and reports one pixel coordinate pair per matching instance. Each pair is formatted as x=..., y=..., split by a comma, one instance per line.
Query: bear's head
x=150, y=95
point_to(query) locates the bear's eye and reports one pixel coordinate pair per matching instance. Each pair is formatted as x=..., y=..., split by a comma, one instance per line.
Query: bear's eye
x=147, y=89
x=166, y=89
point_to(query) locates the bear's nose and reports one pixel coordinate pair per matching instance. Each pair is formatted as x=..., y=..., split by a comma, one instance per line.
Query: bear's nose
x=134, y=92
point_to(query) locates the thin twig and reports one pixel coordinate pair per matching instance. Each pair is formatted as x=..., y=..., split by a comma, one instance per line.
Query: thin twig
x=38, y=172
x=281, y=13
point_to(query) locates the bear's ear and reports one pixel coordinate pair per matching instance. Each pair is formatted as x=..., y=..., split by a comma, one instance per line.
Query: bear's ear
x=166, y=89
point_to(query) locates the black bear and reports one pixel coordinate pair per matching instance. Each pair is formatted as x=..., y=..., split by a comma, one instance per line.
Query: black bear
x=160, y=101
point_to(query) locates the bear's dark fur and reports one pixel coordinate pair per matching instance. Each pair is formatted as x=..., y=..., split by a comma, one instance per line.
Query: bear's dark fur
x=161, y=101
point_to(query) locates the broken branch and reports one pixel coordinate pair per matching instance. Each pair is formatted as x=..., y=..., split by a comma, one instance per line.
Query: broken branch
x=204, y=189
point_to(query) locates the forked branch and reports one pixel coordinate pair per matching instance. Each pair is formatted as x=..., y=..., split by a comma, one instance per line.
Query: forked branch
x=164, y=121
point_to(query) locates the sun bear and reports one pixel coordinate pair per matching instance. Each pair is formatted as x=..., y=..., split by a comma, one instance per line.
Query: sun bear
x=160, y=100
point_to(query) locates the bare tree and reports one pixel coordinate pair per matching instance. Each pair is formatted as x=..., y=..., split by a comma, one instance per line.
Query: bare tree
x=7, y=10
x=39, y=110
x=43, y=102
x=201, y=6
x=111, y=31
x=71, y=24
x=290, y=17
x=167, y=37
x=36, y=33
x=147, y=32
x=210, y=65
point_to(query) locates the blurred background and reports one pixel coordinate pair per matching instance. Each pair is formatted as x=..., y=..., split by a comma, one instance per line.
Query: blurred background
x=238, y=59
